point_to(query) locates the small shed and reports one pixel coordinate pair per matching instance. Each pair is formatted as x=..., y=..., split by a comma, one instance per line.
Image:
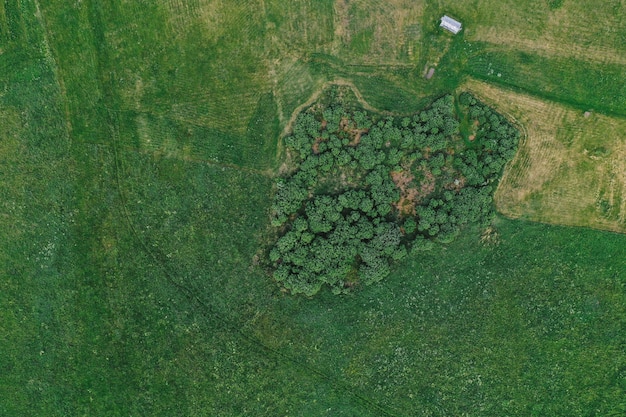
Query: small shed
x=450, y=24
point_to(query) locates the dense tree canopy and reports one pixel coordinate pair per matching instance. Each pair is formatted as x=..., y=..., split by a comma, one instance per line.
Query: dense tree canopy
x=367, y=190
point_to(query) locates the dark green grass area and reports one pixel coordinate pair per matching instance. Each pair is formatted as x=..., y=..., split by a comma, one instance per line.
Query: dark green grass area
x=520, y=328
x=108, y=333
x=585, y=85
x=128, y=283
x=205, y=220
x=94, y=320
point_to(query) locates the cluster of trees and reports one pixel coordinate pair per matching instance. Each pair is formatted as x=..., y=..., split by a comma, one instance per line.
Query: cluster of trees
x=338, y=213
x=495, y=143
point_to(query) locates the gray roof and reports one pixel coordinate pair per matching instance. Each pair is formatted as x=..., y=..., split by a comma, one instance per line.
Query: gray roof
x=450, y=24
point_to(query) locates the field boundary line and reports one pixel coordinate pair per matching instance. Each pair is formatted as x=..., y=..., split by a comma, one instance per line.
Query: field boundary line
x=54, y=66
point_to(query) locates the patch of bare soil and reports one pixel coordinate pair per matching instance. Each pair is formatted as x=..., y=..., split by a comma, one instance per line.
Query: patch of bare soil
x=353, y=131
x=410, y=194
x=316, y=145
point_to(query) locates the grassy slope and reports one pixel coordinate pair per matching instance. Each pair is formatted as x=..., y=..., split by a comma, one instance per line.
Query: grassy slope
x=126, y=231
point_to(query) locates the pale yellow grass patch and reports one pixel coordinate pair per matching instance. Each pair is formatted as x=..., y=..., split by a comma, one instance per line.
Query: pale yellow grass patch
x=549, y=46
x=569, y=169
x=214, y=15
x=342, y=21
x=575, y=31
x=395, y=26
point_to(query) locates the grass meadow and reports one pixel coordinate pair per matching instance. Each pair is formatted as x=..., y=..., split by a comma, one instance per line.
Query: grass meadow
x=139, y=142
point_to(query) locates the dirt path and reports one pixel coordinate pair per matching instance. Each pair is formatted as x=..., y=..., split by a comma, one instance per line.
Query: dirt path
x=316, y=95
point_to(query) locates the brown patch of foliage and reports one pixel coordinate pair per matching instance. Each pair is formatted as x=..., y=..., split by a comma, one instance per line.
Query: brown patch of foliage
x=427, y=185
x=316, y=145
x=410, y=195
x=355, y=134
x=474, y=129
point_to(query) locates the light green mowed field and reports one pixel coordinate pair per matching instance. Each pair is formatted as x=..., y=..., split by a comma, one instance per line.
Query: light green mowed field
x=567, y=170
x=138, y=144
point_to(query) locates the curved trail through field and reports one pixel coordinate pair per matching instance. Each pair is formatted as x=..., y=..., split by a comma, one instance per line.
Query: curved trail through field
x=318, y=93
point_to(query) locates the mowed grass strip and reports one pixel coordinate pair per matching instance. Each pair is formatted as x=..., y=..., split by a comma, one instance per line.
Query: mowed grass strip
x=569, y=169
x=581, y=30
x=210, y=80
x=377, y=32
x=580, y=83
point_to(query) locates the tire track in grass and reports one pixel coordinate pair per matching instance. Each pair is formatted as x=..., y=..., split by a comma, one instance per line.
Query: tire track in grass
x=161, y=261
x=52, y=62
x=208, y=311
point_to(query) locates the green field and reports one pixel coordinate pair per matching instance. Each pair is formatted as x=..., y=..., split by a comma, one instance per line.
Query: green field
x=139, y=142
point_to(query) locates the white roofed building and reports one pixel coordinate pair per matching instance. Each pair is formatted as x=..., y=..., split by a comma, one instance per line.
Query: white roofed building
x=450, y=24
